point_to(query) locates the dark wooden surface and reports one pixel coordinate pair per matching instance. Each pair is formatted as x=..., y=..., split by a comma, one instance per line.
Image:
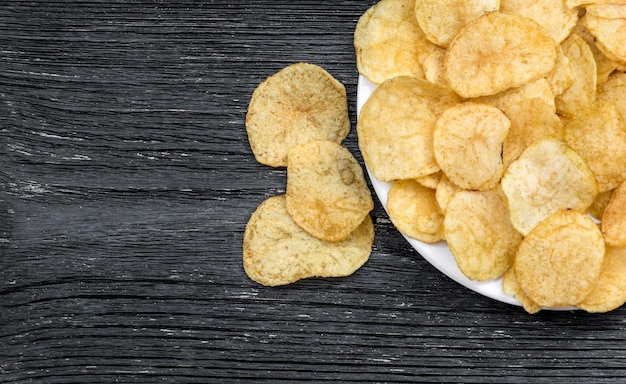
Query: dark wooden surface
x=126, y=181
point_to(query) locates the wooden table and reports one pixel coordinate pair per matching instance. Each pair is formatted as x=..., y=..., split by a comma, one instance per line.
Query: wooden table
x=126, y=182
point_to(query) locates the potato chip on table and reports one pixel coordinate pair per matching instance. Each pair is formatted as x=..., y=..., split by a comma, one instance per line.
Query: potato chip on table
x=326, y=190
x=276, y=251
x=301, y=102
x=609, y=291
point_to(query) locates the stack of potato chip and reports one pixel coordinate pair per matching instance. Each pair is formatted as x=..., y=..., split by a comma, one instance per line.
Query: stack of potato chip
x=321, y=227
x=501, y=126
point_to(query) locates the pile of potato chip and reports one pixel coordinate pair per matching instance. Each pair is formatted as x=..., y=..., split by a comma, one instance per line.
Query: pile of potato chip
x=501, y=127
x=321, y=226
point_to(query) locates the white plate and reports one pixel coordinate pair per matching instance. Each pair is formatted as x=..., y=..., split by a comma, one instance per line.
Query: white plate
x=437, y=254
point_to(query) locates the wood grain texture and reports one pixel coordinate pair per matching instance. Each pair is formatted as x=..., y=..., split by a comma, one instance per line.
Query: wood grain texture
x=126, y=181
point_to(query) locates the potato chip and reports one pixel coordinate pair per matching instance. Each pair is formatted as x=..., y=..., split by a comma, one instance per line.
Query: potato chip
x=583, y=65
x=326, y=191
x=610, y=35
x=480, y=234
x=276, y=251
x=441, y=20
x=547, y=177
x=395, y=128
x=301, y=102
x=555, y=17
x=430, y=181
x=599, y=136
x=578, y=3
x=614, y=91
x=432, y=65
x=388, y=41
x=614, y=218
x=604, y=65
x=609, y=291
x=495, y=52
x=511, y=287
x=531, y=120
x=597, y=208
x=444, y=193
x=413, y=210
x=607, y=11
x=559, y=261
x=561, y=76
x=467, y=142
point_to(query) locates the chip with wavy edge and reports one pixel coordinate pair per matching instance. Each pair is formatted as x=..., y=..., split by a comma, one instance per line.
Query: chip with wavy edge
x=327, y=194
x=547, y=177
x=609, y=291
x=299, y=103
x=276, y=251
x=495, y=52
x=559, y=261
x=395, y=128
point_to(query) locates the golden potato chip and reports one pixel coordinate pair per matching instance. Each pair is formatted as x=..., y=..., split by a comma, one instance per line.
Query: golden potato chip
x=495, y=52
x=326, y=191
x=597, y=208
x=614, y=91
x=301, y=102
x=539, y=88
x=441, y=20
x=430, y=181
x=609, y=291
x=444, y=192
x=561, y=76
x=276, y=251
x=531, y=120
x=468, y=144
x=583, y=65
x=608, y=11
x=555, y=17
x=480, y=234
x=547, y=177
x=432, y=65
x=413, y=210
x=511, y=287
x=388, y=41
x=599, y=136
x=578, y=3
x=610, y=35
x=604, y=65
x=614, y=218
x=395, y=128
x=559, y=261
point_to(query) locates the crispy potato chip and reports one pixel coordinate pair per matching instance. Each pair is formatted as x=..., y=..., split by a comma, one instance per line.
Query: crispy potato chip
x=395, y=128
x=539, y=88
x=555, y=17
x=441, y=20
x=597, y=208
x=444, y=193
x=614, y=91
x=468, y=144
x=531, y=120
x=614, y=218
x=561, y=76
x=432, y=66
x=480, y=234
x=388, y=41
x=583, y=65
x=548, y=177
x=558, y=262
x=495, y=52
x=511, y=287
x=607, y=11
x=609, y=291
x=276, y=251
x=414, y=211
x=430, y=181
x=610, y=35
x=301, y=102
x=604, y=65
x=578, y=3
x=326, y=191
x=599, y=136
